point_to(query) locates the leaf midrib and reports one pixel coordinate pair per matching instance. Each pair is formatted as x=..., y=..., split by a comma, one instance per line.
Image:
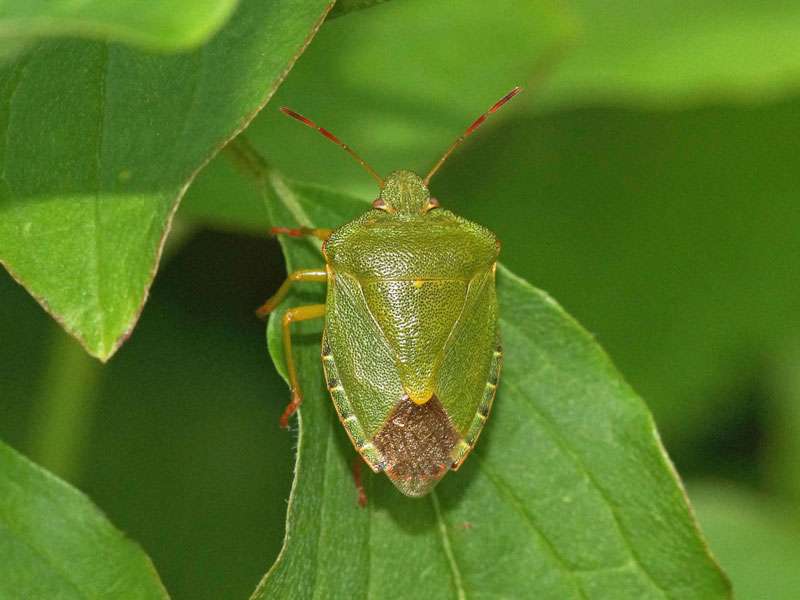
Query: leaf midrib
x=447, y=548
x=96, y=258
x=322, y=521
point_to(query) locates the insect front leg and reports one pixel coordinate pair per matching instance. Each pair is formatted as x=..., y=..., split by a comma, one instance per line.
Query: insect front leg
x=278, y=297
x=299, y=313
x=317, y=232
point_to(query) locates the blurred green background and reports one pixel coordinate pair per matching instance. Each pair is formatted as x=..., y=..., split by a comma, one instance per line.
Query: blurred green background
x=647, y=179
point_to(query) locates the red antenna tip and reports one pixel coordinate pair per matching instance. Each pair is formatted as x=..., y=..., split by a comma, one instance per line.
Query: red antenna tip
x=298, y=116
x=305, y=121
x=505, y=99
x=475, y=124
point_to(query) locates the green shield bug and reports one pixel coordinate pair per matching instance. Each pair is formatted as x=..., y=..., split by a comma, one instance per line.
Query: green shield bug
x=411, y=348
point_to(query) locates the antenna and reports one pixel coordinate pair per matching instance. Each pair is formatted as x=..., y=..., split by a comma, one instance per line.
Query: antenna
x=475, y=124
x=335, y=140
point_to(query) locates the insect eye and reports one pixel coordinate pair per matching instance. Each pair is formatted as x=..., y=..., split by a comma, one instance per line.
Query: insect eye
x=432, y=203
x=379, y=204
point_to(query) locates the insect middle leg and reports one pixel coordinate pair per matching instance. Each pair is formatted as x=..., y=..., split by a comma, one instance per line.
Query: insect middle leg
x=292, y=315
x=278, y=297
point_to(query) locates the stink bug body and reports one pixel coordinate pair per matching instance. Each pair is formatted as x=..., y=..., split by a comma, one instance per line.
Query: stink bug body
x=411, y=347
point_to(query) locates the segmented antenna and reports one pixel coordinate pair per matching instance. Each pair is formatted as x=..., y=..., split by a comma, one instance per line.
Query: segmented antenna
x=475, y=124
x=335, y=140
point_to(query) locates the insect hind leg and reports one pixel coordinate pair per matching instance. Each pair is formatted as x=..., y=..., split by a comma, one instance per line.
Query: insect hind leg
x=292, y=315
x=362, y=494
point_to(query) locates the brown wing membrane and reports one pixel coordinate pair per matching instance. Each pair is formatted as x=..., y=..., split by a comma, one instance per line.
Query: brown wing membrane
x=417, y=441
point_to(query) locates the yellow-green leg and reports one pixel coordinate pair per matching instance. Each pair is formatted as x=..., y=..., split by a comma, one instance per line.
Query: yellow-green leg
x=278, y=297
x=299, y=313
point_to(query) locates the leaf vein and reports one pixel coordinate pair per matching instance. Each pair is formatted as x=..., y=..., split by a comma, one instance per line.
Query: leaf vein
x=519, y=507
x=447, y=547
x=321, y=529
x=368, y=570
x=566, y=447
x=96, y=284
x=41, y=554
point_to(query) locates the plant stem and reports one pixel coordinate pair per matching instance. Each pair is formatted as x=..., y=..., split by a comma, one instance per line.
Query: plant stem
x=63, y=411
x=247, y=159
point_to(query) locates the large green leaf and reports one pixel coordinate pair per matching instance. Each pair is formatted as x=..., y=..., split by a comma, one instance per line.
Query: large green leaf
x=662, y=51
x=402, y=80
x=55, y=544
x=569, y=493
x=99, y=144
x=166, y=25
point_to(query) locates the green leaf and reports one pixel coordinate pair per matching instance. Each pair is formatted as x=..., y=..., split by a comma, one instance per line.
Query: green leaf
x=99, y=144
x=401, y=106
x=55, y=544
x=568, y=494
x=399, y=83
x=756, y=538
x=662, y=51
x=163, y=25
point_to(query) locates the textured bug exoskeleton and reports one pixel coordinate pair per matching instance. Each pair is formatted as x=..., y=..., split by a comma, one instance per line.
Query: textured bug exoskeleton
x=411, y=348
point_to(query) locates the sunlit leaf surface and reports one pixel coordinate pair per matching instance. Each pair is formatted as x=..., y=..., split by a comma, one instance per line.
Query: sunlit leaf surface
x=100, y=142
x=163, y=25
